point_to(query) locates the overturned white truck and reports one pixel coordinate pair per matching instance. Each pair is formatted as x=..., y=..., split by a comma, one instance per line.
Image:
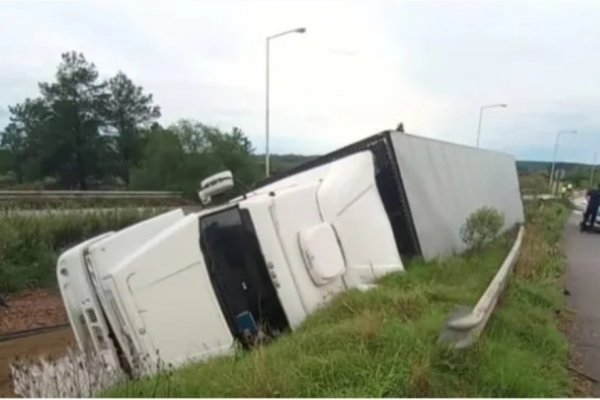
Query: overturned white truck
x=186, y=287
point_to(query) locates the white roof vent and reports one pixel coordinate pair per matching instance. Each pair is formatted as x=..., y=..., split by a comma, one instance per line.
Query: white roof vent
x=214, y=185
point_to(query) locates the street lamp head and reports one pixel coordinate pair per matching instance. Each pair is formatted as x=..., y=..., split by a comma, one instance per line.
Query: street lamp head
x=297, y=30
x=503, y=105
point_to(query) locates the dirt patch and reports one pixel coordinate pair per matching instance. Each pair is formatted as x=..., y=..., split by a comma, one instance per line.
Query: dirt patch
x=31, y=309
x=50, y=344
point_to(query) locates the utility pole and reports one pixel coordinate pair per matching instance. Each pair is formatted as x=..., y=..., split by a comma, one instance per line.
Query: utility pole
x=551, y=183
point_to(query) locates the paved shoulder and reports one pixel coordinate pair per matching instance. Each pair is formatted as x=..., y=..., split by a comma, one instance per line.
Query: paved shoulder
x=583, y=282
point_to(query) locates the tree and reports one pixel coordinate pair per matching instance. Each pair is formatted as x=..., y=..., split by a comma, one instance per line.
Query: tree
x=192, y=135
x=78, y=104
x=163, y=159
x=24, y=138
x=234, y=152
x=5, y=160
x=129, y=111
x=13, y=142
x=214, y=150
x=82, y=130
x=178, y=158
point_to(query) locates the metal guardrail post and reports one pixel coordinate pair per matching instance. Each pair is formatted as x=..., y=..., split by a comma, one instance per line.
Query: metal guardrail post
x=463, y=327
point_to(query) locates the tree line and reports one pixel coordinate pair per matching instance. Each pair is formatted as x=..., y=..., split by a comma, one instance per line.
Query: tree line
x=535, y=175
x=84, y=132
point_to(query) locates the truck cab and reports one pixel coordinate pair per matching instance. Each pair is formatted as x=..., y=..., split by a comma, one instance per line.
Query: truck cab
x=178, y=288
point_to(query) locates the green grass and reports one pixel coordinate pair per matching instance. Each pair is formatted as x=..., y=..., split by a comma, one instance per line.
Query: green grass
x=384, y=343
x=34, y=203
x=31, y=244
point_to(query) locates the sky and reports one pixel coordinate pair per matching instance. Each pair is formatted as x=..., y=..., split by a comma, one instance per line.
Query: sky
x=360, y=68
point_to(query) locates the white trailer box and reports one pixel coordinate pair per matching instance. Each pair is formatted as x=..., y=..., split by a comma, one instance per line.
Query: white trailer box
x=444, y=183
x=429, y=188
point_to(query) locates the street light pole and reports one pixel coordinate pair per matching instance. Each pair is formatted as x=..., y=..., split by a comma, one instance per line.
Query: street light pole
x=481, y=117
x=267, y=117
x=554, y=158
x=267, y=154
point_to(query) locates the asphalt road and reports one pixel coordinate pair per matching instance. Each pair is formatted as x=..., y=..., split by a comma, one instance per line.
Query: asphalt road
x=583, y=283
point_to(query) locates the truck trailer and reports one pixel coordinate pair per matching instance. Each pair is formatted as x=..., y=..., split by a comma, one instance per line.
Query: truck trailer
x=430, y=187
x=178, y=288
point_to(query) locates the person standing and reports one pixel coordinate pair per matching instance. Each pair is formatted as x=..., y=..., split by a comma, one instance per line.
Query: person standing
x=591, y=212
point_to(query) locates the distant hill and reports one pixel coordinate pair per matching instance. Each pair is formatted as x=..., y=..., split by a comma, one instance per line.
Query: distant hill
x=544, y=166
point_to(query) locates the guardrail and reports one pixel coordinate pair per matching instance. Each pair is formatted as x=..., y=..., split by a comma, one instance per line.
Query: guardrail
x=107, y=194
x=463, y=327
x=538, y=196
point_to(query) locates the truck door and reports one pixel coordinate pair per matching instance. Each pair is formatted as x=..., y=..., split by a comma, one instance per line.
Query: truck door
x=239, y=274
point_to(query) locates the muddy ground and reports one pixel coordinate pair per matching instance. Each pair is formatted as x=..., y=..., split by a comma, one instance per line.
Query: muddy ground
x=26, y=310
x=50, y=344
x=32, y=309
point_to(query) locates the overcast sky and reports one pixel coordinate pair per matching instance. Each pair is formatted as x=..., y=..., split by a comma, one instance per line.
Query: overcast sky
x=361, y=67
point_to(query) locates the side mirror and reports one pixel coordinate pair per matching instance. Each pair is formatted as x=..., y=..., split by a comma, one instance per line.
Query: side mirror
x=214, y=185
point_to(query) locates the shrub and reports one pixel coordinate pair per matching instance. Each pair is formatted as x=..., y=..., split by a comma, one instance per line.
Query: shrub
x=16, y=205
x=30, y=243
x=481, y=227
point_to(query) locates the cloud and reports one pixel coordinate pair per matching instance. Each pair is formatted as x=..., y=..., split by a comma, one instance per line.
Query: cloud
x=362, y=67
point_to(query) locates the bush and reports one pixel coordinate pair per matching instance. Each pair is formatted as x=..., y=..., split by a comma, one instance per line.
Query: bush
x=8, y=205
x=533, y=183
x=481, y=227
x=31, y=243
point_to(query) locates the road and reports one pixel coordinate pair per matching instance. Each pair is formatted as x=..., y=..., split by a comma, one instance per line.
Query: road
x=583, y=283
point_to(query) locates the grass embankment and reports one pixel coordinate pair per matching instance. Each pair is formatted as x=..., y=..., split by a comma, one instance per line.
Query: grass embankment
x=30, y=244
x=35, y=203
x=384, y=342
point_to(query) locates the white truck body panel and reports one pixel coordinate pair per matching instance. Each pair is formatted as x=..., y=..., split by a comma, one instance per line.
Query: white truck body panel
x=108, y=253
x=343, y=194
x=81, y=303
x=105, y=255
x=169, y=299
x=446, y=182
